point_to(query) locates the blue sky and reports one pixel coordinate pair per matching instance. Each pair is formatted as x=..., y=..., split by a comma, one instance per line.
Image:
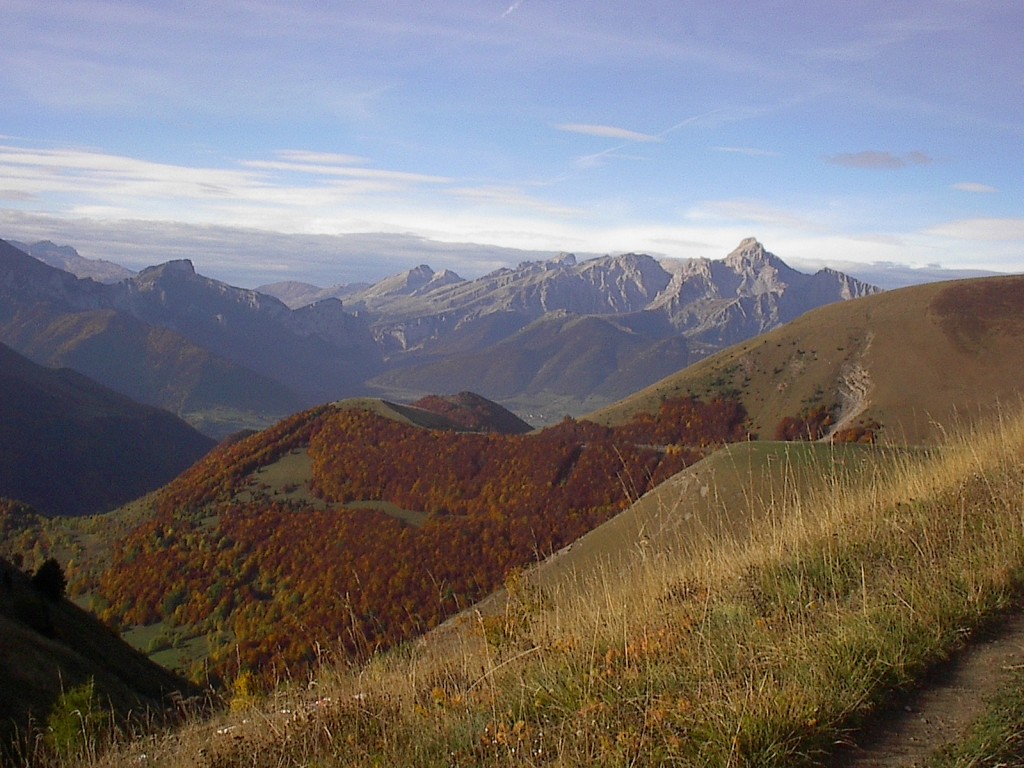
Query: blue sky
x=834, y=132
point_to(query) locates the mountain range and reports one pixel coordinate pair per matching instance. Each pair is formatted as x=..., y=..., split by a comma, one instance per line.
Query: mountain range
x=544, y=338
x=581, y=334
x=710, y=302
x=221, y=357
x=434, y=516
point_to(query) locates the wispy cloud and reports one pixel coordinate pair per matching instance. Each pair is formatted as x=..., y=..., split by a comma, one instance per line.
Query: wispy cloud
x=510, y=197
x=875, y=160
x=323, y=158
x=876, y=39
x=751, y=211
x=974, y=187
x=607, y=132
x=104, y=179
x=322, y=169
x=983, y=230
x=53, y=171
x=511, y=9
x=628, y=138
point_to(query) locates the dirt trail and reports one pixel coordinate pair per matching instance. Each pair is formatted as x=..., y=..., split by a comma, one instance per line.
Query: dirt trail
x=941, y=710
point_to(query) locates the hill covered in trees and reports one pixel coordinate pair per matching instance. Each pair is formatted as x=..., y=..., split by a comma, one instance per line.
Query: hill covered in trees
x=388, y=529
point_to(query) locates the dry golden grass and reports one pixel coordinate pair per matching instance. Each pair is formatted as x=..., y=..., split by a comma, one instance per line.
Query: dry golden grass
x=762, y=648
x=915, y=360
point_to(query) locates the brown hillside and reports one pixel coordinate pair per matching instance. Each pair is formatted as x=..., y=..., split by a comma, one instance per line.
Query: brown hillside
x=470, y=411
x=917, y=361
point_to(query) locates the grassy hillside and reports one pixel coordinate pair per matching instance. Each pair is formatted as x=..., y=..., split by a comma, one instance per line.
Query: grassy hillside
x=734, y=491
x=723, y=646
x=918, y=361
x=754, y=609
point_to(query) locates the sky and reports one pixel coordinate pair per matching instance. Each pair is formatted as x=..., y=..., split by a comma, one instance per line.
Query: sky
x=259, y=138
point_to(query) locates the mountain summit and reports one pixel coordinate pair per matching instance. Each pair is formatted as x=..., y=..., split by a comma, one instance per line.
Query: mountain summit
x=749, y=252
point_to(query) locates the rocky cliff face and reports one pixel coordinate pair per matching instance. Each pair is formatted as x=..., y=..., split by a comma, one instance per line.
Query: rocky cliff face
x=748, y=292
x=715, y=301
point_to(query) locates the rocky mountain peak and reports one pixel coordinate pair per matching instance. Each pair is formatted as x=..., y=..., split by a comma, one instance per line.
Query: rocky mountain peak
x=402, y=284
x=437, y=281
x=747, y=254
x=422, y=272
x=176, y=268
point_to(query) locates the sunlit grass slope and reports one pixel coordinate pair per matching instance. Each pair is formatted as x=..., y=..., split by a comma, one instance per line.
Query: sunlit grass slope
x=745, y=646
x=916, y=361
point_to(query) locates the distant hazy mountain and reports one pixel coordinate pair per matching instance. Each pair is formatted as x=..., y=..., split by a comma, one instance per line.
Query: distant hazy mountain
x=582, y=333
x=69, y=446
x=748, y=291
x=546, y=337
x=889, y=275
x=225, y=357
x=67, y=258
x=318, y=351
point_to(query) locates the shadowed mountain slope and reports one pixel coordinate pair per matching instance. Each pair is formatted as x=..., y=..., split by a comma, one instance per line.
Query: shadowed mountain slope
x=579, y=357
x=224, y=357
x=68, y=259
x=51, y=646
x=69, y=446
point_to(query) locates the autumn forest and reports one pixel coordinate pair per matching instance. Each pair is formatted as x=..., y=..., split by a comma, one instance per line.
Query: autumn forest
x=273, y=581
